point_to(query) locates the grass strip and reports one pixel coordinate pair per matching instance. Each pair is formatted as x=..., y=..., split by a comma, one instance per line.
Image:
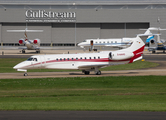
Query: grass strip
x=123, y=93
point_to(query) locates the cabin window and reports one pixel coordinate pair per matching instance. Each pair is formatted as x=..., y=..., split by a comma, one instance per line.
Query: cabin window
x=98, y=57
x=96, y=42
x=115, y=41
x=103, y=42
x=111, y=41
x=61, y=59
x=67, y=58
x=94, y=57
x=64, y=58
x=85, y=58
x=76, y=58
x=57, y=59
x=81, y=58
x=89, y=57
x=72, y=58
x=107, y=41
x=100, y=41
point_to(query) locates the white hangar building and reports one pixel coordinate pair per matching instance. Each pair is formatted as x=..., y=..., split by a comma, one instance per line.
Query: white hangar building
x=68, y=22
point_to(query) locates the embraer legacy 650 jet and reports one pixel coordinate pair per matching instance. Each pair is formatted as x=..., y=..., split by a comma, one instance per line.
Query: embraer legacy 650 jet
x=85, y=61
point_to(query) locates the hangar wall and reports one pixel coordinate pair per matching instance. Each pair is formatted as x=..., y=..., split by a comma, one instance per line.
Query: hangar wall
x=108, y=22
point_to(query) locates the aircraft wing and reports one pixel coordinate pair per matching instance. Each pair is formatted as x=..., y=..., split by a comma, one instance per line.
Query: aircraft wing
x=24, y=30
x=91, y=67
x=50, y=48
x=152, y=48
x=117, y=46
x=109, y=45
x=36, y=47
x=24, y=48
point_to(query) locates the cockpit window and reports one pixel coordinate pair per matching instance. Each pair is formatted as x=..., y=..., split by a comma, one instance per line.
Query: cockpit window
x=30, y=59
x=35, y=59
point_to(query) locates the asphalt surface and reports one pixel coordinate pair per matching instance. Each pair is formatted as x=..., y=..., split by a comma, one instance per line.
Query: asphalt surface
x=145, y=72
x=81, y=115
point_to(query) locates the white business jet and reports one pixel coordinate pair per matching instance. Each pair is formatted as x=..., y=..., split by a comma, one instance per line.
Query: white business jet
x=30, y=44
x=119, y=43
x=153, y=44
x=85, y=61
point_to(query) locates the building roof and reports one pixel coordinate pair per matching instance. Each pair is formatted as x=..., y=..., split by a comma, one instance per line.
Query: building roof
x=82, y=2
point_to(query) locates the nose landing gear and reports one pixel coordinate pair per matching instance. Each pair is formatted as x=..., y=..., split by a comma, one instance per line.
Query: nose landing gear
x=25, y=74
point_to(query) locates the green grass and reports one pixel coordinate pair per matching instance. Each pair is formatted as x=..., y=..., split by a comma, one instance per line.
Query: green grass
x=138, y=93
x=7, y=64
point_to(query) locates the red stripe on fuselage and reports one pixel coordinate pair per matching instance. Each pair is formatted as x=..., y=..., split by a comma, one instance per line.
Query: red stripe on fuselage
x=87, y=60
x=79, y=60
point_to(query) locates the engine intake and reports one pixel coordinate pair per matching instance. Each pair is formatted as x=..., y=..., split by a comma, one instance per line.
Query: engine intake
x=152, y=41
x=21, y=41
x=36, y=41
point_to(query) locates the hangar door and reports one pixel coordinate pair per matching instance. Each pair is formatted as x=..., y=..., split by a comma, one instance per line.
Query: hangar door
x=67, y=33
x=119, y=30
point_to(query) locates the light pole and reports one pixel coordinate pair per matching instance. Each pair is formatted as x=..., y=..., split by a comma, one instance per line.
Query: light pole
x=75, y=34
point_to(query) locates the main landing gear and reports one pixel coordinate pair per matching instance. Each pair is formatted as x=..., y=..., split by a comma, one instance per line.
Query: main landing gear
x=88, y=72
x=98, y=72
x=37, y=51
x=153, y=51
x=23, y=51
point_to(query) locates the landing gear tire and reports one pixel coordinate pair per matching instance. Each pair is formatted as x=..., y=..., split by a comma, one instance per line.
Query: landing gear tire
x=38, y=51
x=153, y=51
x=98, y=72
x=86, y=72
x=25, y=74
x=23, y=51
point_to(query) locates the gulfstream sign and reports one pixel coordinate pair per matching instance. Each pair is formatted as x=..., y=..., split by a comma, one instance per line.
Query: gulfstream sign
x=49, y=16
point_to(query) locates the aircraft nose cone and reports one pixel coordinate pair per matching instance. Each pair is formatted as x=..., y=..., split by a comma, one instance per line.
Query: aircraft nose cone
x=15, y=67
x=78, y=44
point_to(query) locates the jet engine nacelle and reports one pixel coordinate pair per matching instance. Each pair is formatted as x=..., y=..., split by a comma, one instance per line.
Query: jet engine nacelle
x=152, y=41
x=120, y=55
x=21, y=41
x=36, y=41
